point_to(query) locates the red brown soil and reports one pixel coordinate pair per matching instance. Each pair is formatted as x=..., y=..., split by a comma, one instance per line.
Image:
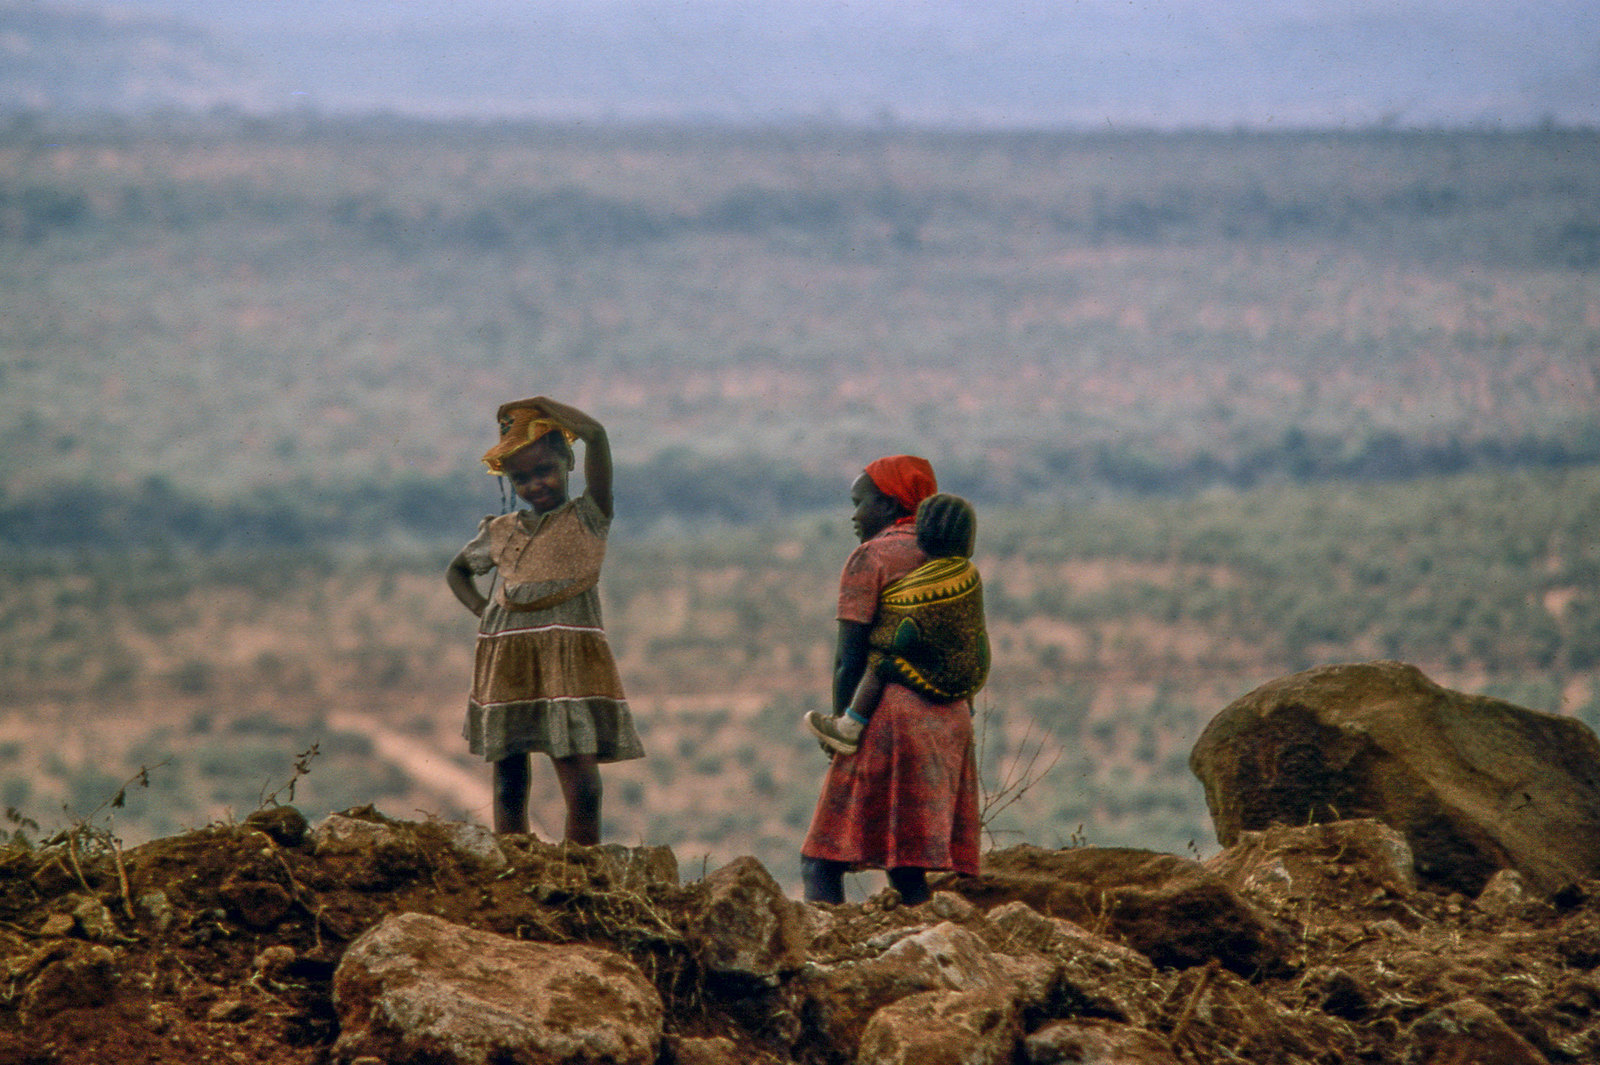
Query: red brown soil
x=240, y=970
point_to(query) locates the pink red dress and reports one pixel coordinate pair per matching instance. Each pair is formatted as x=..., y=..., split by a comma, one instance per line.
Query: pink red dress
x=909, y=797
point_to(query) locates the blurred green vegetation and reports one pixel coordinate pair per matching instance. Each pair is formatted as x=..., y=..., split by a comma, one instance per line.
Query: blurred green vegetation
x=1120, y=629
x=1490, y=197
x=275, y=333
x=1231, y=405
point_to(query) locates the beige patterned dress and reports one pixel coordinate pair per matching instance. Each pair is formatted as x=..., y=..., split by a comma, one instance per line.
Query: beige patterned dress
x=544, y=679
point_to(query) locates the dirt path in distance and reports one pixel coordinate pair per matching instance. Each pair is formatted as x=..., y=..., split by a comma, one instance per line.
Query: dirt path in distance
x=421, y=761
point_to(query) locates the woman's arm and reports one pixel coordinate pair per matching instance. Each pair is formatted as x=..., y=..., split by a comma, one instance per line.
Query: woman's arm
x=596, y=449
x=849, y=662
x=459, y=578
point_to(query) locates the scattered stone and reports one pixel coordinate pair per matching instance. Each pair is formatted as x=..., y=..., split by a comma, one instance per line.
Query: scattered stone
x=884, y=940
x=59, y=924
x=1098, y=978
x=229, y=1011
x=1473, y=784
x=748, y=931
x=686, y=1050
x=417, y=987
x=94, y=917
x=1506, y=892
x=158, y=907
x=1057, y=935
x=948, y=906
x=841, y=1000
x=964, y=977
x=1338, y=992
x=160, y=1018
x=1342, y=859
x=1079, y=1042
x=1388, y=927
x=1170, y=909
x=640, y=866
x=286, y=825
x=815, y=922
x=965, y=963
x=340, y=833
x=978, y=1027
x=387, y=852
x=1464, y=1033
x=257, y=904
x=273, y=964
x=475, y=843
x=70, y=975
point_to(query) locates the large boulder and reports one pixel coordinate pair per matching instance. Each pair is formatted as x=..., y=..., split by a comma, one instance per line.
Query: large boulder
x=1078, y=1042
x=416, y=988
x=979, y=1027
x=1098, y=978
x=747, y=932
x=1172, y=910
x=843, y=1002
x=1473, y=784
x=1463, y=1033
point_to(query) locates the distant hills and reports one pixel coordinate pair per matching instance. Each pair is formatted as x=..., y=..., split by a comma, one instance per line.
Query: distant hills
x=1268, y=63
x=59, y=58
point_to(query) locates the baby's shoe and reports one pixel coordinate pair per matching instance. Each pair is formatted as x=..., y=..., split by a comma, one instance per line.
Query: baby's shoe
x=842, y=733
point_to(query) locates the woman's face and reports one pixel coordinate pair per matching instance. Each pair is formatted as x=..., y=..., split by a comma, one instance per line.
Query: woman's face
x=874, y=511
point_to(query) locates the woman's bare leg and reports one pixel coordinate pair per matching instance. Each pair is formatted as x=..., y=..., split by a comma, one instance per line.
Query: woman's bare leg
x=912, y=883
x=823, y=879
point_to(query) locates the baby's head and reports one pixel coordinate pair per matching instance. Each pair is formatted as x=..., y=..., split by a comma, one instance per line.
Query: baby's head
x=947, y=526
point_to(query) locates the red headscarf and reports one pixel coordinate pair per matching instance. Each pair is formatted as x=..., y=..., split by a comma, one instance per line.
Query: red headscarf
x=906, y=479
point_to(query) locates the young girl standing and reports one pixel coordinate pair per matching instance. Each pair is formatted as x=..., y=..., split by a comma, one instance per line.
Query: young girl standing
x=543, y=676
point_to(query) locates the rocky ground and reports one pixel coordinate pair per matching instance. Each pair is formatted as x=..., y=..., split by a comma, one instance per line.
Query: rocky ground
x=234, y=944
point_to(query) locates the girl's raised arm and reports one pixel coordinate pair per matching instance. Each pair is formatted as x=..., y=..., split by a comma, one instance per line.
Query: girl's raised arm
x=596, y=449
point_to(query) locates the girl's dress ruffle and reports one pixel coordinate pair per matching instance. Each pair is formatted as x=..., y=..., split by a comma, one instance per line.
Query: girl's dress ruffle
x=557, y=727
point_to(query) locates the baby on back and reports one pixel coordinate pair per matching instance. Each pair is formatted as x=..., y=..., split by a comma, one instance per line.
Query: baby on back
x=929, y=632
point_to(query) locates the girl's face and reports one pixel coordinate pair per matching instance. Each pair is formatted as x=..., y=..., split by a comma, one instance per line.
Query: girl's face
x=874, y=511
x=538, y=475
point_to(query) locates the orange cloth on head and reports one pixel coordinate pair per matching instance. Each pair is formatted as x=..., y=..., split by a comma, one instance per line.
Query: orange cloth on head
x=906, y=479
x=520, y=425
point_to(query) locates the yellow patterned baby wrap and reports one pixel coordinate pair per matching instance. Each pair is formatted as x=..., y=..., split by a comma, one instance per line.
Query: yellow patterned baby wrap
x=929, y=633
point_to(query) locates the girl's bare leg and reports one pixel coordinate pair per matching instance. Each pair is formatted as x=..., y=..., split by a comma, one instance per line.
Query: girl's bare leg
x=580, y=786
x=511, y=793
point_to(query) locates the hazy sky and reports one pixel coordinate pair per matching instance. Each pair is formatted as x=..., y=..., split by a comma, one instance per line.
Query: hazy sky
x=1161, y=62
